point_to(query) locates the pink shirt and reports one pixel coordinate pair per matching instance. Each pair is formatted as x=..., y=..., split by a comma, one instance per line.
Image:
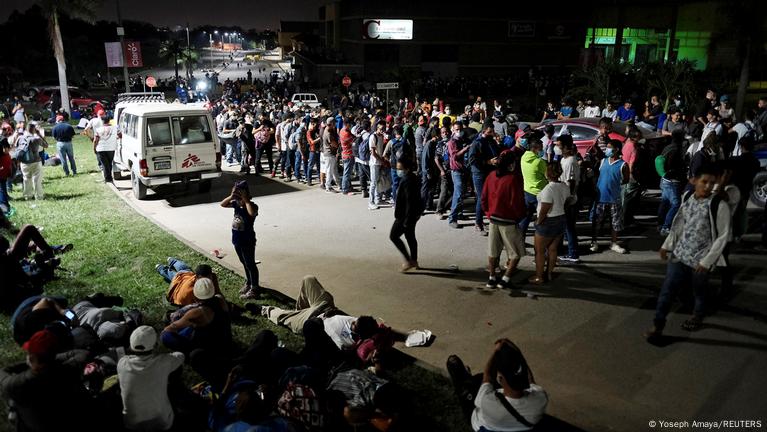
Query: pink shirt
x=629, y=153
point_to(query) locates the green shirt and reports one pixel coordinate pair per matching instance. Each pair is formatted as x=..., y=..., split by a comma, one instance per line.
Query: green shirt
x=534, y=173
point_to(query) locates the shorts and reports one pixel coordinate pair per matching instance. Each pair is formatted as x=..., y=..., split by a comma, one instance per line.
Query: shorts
x=507, y=237
x=616, y=215
x=323, y=164
x=552, y=227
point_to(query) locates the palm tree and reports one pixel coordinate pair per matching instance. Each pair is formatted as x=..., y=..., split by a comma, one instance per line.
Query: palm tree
x=172, y=50
x=53, y=9
x=189, y=56
x=602, y=80
x=670, y=79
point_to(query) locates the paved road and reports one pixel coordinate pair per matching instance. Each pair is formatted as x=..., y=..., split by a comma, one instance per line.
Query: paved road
x=581, y=334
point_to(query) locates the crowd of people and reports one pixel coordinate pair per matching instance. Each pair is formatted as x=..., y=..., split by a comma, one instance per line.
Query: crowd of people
x=420, y=158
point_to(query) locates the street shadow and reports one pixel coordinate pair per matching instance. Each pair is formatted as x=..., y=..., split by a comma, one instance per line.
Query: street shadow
x=665, y=341
x=187, y=195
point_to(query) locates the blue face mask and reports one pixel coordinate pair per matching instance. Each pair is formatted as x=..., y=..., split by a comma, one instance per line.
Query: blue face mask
x=609, y=152
x=400, y=173
x=523, y=142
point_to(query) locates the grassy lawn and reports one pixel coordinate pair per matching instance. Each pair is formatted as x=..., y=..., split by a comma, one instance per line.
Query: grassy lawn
x=116, y=251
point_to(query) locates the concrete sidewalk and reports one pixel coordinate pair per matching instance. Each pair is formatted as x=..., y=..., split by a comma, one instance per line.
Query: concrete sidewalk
x=581, y=334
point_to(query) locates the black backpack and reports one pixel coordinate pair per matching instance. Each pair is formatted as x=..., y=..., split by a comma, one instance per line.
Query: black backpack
x=713, y=209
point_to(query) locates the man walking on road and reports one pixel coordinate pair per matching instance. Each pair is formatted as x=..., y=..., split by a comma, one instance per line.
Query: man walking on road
x=63, y=133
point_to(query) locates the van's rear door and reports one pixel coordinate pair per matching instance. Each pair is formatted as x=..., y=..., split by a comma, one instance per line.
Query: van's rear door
x=195, y=146
x=159, y=153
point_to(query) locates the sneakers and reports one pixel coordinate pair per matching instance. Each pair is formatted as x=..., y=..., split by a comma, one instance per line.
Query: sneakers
x=594, y=247
x=491, y=283
x=569, y=259
x=372, y=207
x=249, y=295
x=664, y=231
x=245, y=288
x=453, y=225
x=272, y=174
x=502, y=284
x=265, y=310
x=615, y=247
x=330, y=190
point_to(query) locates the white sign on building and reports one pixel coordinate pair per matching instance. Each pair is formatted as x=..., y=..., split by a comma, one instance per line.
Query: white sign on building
x=387, y=29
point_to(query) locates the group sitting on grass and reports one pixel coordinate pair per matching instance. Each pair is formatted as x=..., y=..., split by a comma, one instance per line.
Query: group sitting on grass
x=97, y=364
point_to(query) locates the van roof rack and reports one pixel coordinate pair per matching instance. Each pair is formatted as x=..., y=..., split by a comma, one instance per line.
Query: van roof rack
x=142, y=97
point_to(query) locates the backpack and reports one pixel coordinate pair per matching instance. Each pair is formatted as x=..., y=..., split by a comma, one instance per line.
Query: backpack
x=364, y=149
x=300, y=402
x=24, y=153
x=660, y=165
x=356, y=146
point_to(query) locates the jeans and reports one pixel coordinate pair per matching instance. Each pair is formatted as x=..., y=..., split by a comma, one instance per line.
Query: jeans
x=427, y=189
x=246, y=252
x=106, y=158
x=394, y=185
x=455, y=207
x=670, y=200
x=571, y=217
x=259, y=154
x=375, y=172
x=287, y=159
x=174, y=266
x=397, y=230
x=67, y=156
x=479, y=181
x=363, y=172
x=631, y=193
x=679, y=275
x=314, y=161
x=233, y=153
x=332, y=174
x=445, y=192
x=531, y=202
x=299, y=167
x=346, y=180
x=5, y=206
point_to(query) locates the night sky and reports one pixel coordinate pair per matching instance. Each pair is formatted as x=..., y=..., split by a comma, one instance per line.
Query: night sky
x=259, y=14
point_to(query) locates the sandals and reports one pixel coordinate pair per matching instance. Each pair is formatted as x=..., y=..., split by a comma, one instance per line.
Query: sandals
x=535, y=280
x=693, y=324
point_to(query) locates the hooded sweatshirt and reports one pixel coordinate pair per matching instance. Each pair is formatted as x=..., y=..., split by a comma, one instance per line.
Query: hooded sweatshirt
x=534, y=173
x=143, y=387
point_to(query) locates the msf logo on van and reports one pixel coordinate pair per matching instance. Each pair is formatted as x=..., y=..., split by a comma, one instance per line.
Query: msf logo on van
x=191, y=161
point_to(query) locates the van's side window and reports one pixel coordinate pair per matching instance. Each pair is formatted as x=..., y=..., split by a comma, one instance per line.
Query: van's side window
x=191, y=129
x=158, y=131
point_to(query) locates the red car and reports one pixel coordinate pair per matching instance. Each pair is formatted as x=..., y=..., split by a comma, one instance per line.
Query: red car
x=585, y=130
x=78, y=98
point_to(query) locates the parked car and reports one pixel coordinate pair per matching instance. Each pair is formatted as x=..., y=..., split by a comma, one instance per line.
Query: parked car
x=759, y=190
x=31, y=92
x=167, y=143
x=585, y=131
x=305, y=99
x=77, y=98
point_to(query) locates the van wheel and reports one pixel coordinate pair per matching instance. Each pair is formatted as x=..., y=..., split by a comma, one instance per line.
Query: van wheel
x=139, y=189
x=204, y=186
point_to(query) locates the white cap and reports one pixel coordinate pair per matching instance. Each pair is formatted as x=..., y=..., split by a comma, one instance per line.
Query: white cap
x=204, y=289
x=143, y=339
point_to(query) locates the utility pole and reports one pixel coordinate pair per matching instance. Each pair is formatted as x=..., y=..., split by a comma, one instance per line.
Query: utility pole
x=121, y=33
x=188, y=60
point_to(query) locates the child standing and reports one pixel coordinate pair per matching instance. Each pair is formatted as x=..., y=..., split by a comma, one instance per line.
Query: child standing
x=613, y=172
x=697, y=239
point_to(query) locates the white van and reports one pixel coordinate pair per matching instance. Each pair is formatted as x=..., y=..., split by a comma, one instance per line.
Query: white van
x=305, y=99
x=167, y=143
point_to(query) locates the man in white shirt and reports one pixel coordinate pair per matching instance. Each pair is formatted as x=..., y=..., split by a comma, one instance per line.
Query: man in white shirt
x=105, y=145
x=377, y=161
x=143, y=378
x=518, y=404
x=746, y=127
x=591, y=110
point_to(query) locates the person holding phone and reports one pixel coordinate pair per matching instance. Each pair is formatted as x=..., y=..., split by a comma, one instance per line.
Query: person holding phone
x=244, y=235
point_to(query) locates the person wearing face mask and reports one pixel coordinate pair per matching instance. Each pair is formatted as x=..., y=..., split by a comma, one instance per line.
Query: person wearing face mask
x=448, y=113
x=534, y=175
x=456, y=150
x=407, y=210
x=482, y=157
x=571, y=176
x=613, y=172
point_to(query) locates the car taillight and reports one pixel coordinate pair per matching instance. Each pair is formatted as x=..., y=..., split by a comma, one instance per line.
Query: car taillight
x=218, y=161
x=143, y=168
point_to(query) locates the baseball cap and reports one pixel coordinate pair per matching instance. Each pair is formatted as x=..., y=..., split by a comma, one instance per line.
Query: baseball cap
x=389, y=118
x=43, y=342
x=330, y=120
x=100, y=113
x=204, y=289
x=59, y=118
x=143, y=339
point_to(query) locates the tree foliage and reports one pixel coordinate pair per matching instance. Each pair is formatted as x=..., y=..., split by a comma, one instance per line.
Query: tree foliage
x=668, y=79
